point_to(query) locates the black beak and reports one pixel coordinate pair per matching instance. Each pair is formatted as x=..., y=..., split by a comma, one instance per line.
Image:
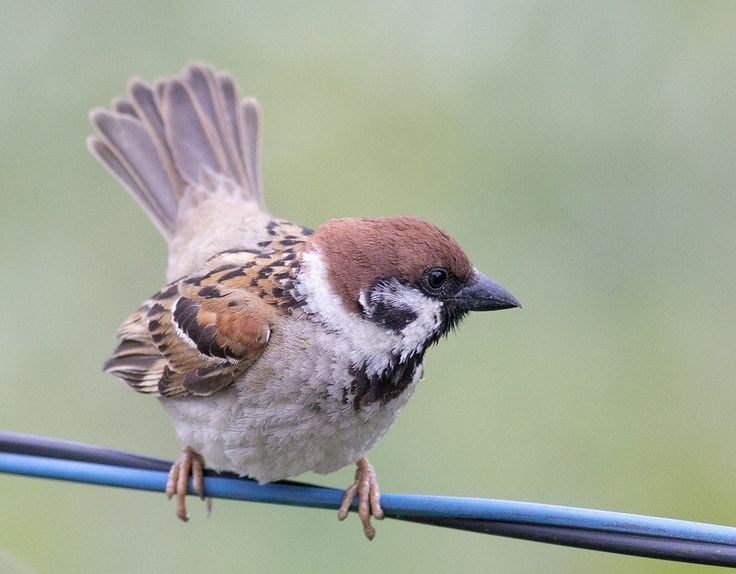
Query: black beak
x=483, y=294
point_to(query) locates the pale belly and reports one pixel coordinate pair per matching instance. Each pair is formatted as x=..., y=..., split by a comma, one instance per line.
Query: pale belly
x=291, y=413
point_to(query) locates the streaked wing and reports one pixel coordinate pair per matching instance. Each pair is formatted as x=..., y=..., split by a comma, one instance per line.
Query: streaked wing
x=201, y=332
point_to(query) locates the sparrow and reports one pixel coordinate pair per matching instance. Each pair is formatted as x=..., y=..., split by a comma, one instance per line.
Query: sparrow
x=275, y=349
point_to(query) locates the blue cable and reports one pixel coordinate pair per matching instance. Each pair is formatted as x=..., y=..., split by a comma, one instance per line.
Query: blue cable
x=584, y=528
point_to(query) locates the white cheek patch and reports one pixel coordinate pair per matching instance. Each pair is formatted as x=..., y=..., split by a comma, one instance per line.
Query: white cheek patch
x=369, y=343
x=426, y=325
x=427, y=313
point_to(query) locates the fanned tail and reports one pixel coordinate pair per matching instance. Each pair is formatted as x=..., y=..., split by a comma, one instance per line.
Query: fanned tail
x=177, y=135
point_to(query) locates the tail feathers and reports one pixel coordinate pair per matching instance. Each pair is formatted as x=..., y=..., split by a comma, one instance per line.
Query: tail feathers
x=251, y=114
x=175, y=136
x=127, y=150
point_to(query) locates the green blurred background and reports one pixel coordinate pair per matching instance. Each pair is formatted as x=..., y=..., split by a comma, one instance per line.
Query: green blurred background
x=583, y=153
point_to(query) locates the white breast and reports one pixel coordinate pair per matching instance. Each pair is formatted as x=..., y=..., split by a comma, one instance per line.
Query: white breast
x=289, y=413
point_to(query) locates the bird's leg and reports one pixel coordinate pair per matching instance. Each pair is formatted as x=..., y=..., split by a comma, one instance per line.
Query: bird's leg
x=369, y=497
x=190, y=462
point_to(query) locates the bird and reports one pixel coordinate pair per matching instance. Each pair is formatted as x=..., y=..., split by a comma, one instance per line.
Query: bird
x=275, y=349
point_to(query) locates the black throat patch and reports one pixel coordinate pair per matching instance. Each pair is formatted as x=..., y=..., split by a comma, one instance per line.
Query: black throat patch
x=384, y=386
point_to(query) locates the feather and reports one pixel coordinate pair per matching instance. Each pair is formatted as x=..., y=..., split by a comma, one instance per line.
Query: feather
x=233, y=124
x=204, y=87
x=251, y=117
x=143, y=100
x=198, y=334
x=124, y=173
x=190, y=135
x=133, y=146
x=123, y=107
x=182, y=135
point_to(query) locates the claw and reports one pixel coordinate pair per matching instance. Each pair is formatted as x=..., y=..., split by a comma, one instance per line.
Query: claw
x=369, y=497
x=189, y=463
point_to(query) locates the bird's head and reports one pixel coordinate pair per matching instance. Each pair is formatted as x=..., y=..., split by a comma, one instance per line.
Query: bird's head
x=403, y=274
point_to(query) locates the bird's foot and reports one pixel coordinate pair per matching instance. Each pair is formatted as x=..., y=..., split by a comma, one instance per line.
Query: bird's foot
x=190, y=462
x=369, y=497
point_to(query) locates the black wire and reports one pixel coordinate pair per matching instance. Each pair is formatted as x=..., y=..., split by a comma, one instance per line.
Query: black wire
x=650, y=546
x=678, y=550
x=18, y=443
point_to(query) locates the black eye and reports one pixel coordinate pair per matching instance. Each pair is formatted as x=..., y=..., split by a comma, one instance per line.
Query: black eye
x=436, y=278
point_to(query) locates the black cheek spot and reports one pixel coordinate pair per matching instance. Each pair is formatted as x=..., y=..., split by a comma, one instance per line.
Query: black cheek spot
x=395, y=318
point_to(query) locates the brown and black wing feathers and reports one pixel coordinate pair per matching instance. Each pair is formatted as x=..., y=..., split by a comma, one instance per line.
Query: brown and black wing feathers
x=208, y=340
x=198, y=334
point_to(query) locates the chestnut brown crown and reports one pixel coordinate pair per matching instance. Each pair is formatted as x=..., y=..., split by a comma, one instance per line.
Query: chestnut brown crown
x=360, y=251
